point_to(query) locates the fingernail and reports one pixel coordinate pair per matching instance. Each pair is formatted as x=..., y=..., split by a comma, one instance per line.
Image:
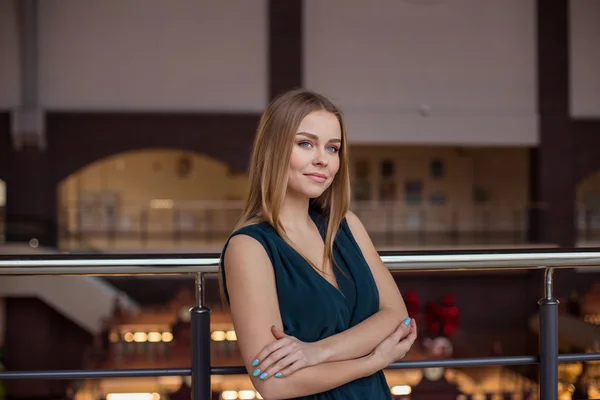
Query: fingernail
x=255, y=363
x=407, y=321
x=277, y=375
x=256, y=372
x=263, y=376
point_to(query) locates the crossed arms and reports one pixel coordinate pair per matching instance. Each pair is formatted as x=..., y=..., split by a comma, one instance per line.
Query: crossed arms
x=289, y=367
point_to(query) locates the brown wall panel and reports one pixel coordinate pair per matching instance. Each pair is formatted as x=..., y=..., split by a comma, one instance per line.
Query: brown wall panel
x=285, y=45
x=4, y=143
x=37, y=337
x=568, y=148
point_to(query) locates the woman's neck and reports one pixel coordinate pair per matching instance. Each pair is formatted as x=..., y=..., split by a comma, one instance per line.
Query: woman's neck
x=294, y=214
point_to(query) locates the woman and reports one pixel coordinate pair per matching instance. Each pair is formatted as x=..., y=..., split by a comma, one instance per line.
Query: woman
x=316, y=313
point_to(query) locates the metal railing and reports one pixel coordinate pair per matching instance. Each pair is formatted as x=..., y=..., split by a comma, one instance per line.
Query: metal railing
x=201, y=370
x=176, y=222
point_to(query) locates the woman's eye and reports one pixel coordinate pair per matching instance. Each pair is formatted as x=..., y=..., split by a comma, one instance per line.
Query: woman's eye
x=304, y=144
x=333, y=149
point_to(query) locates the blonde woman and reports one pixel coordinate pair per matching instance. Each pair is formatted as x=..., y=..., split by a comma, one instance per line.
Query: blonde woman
x=317, y=314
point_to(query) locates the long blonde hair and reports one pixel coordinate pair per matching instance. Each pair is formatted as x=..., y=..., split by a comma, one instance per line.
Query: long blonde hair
x=269, y=166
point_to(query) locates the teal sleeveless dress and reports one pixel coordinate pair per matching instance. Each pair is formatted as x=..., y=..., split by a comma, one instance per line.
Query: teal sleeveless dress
x=312, y=308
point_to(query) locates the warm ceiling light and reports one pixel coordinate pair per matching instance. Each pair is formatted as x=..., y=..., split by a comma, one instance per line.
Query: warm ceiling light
x=231, y=336
x=217, y=336
x=133, y=396
x=401, y=390
x=246, y=394
x=154, y=337
x=229, y=395
x=161, y=203
x=113, y=337
x=140, y=337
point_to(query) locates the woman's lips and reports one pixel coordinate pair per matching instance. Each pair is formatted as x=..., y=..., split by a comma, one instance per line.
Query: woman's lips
x=318, y=178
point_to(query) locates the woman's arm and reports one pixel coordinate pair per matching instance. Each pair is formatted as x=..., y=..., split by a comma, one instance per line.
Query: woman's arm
x=318, y=378
x=290, y=354
x=255, y=308
x=362, y=338
x=310, y=380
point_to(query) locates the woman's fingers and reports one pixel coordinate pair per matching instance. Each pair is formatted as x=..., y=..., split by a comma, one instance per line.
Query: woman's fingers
x=289, y=370
x=276, y=357
x=287, y=365
x=401, y=331
x=412, y=334
x=268, y=349
x=406, y=343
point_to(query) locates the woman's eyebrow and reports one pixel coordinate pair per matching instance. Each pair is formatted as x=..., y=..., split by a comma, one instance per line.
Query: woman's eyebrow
x=315, y=137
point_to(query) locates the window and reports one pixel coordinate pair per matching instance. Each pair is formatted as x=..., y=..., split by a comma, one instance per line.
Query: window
x=362, y=169
x=437, y=199
x=387, y=169
x=387, y=190
x=387, y=186
x=437, y=168
x=362, y=187
x=480, y=195
x=413, y=191
x=362, y=191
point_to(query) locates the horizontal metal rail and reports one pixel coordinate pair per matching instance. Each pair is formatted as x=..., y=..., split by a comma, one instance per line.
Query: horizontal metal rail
x=107, y=265
x=137, y=373
x=200, y=265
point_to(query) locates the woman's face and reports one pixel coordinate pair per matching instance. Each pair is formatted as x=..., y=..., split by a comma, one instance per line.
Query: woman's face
x=315, y=160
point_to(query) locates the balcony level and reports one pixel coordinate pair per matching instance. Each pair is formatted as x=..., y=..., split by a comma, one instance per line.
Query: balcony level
x=149, y=351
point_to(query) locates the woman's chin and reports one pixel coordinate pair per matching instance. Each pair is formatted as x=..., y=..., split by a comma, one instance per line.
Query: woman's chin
x=313, y=194
x=309, y=194
x=308, y=191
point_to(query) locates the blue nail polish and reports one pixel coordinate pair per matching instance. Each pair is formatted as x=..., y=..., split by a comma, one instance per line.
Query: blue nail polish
x=255, y=363
x=407, y=321
x=256, y=372
x=263, y=376
x=277, y=375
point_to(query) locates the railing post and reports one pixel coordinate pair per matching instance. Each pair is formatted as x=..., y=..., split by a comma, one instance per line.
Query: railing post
x=200, y=344
x=548, y=340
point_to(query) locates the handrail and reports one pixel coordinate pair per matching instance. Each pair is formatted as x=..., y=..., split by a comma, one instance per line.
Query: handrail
x=161, y=264
x=414, y=364
x=200, y=265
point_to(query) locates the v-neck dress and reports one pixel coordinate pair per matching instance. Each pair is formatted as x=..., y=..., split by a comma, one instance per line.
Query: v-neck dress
x=312, y=308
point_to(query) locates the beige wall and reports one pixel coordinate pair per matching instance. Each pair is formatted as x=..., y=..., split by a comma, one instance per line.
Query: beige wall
x=382, y=60
x=504, y=173
x=584, y=58
x=139, y=181
x=2, y=193
x=588, y=207
x=404, y=72
x=501, y=172
x=138, y=178
x=590, y=184
x=9, y=64
x=588, y=192
x=144, y=175
x=153, y=55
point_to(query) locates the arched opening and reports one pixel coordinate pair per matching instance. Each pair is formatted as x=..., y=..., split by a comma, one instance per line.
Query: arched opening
x=588, y=210
x=2, y=211
x=152, y=199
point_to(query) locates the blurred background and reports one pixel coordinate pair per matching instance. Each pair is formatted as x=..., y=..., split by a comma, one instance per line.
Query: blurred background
x=126, y=126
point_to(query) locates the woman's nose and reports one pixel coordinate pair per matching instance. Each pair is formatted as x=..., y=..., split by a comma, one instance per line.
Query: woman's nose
x=320, y=159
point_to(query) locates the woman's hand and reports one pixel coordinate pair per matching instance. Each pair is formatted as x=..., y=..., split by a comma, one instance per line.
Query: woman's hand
x=285, y=356
x=395, y=346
